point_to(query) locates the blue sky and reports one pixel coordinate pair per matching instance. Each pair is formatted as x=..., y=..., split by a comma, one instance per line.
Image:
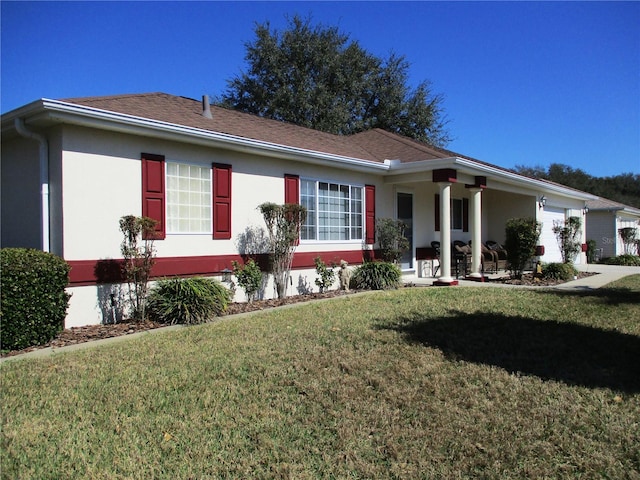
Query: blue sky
x=525, y=83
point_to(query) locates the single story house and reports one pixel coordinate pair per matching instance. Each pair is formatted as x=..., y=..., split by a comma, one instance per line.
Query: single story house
x=72, y=168
x=605, y=220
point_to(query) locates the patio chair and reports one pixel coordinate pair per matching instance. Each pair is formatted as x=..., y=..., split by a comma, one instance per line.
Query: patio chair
x=461, y=257
x=501, y=253
x=489, y=259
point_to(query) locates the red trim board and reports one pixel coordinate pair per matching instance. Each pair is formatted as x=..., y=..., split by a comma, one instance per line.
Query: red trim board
x=94, y=272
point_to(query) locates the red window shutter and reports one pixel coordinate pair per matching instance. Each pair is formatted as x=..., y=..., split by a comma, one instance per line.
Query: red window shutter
x=370, y=213
x=436, y=212
x=292, y=192
x=291, y=188
x=465, y=214
x=153, y=191
x=221, y=201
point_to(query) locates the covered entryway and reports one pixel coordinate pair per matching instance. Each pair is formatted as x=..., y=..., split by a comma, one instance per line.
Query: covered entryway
x=547, y=237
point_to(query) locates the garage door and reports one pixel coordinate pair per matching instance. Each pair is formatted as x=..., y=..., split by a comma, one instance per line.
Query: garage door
x=547, y=237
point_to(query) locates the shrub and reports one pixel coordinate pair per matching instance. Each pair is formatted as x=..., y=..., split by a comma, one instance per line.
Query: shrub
x=591, y=251
x=521, y=238
x=568, y=236
x=629, y=237
x=327, y=275
x=559, y=271
x=391, y=240
x=376, y=276
x=249, y=278
x=623, y=260
x=187, y=301
x=34, y=301
x=139, y=257
x=283, y=227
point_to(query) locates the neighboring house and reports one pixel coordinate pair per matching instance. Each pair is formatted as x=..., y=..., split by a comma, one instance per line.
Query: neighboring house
x=72, y=168
x=604, y=221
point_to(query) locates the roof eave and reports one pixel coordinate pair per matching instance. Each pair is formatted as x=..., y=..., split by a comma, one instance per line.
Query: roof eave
x=46, y=110
x=482, y=169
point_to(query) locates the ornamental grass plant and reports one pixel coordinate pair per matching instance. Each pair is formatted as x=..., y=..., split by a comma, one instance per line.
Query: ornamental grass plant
x=187, y=301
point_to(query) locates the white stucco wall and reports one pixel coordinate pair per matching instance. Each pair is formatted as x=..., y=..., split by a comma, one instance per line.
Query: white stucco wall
x=102, y=182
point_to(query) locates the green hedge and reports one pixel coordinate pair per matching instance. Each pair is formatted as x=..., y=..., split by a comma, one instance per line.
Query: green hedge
x=34, y=301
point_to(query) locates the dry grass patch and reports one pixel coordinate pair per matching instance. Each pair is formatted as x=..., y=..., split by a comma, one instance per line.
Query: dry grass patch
x=415, y=383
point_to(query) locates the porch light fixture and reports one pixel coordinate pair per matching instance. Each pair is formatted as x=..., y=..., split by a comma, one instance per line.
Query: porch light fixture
x=542, y=202
x=585, y=210
x=226, y=275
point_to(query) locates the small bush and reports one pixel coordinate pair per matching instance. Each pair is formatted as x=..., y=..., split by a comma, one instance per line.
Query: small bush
x=327, y=275
x=34, y=300
x=521, y=238
x=629, y=237
x=139, y=257
x=568, y=234
x=249, y=278
x=623, y=260
x=391, y=240
x=376, y=276
x=591, y=251
x=187, y=301
x=559, y=271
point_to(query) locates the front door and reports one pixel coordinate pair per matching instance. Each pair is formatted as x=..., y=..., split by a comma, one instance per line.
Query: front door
x=405, y=215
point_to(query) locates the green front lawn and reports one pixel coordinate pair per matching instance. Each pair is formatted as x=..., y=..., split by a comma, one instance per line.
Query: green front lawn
x=415, y=383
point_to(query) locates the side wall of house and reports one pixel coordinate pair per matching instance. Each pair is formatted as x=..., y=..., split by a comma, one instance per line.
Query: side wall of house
x=102, y=177
x=20, y=194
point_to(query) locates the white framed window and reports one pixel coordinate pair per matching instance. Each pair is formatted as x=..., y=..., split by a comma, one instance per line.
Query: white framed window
x=456, y=214
x=335, y=211
x=188, y=198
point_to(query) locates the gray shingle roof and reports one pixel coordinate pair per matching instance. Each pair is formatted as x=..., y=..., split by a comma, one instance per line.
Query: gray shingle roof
x=610, y=205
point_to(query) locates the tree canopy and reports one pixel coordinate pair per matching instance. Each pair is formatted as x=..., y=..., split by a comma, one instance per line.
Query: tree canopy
x=623, y=188
x=316, y=77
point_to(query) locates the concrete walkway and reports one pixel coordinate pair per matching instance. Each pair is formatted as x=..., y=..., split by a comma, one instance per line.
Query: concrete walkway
x=606, y=274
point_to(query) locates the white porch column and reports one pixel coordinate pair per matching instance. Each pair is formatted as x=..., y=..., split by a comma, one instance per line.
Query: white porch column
x=445, y=234
x=476, y=232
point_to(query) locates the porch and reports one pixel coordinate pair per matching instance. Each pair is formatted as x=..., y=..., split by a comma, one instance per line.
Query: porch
x=453, y=215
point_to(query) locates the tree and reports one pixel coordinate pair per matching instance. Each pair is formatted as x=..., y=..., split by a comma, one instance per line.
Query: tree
x=624, y=188
x=314, y=76
x=283, y=227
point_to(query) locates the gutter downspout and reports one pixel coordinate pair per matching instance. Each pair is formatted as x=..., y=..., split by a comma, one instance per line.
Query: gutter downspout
x=44, y=178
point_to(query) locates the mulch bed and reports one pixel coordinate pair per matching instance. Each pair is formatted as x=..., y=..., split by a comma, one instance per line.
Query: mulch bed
x=528, y=279
x=88, y=333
